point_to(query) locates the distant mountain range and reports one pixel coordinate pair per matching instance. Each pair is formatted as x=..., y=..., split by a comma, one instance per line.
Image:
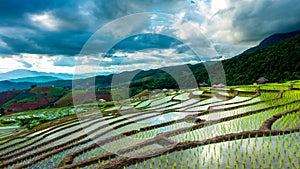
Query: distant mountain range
x=22, y=79
x=23, y=75
x=277, y=58
x=39, y=79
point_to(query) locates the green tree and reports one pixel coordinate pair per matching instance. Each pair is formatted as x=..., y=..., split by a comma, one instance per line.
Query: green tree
x=33, y=86
x=2, y=111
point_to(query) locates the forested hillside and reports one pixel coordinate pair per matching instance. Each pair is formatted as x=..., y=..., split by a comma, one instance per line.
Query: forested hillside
x=278, y=63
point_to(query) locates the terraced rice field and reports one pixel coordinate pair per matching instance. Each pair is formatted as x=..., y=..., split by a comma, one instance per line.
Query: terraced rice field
x=235, y=128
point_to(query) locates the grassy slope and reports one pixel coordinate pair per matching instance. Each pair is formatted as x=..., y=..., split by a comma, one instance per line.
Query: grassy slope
x=31, y=99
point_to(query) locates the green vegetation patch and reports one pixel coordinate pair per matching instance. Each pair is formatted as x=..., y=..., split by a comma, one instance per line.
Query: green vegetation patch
x=287, y=121
x=34, y=118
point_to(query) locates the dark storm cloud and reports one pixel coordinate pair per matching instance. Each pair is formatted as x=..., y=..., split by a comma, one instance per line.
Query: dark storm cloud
x=75, y=21
x=113, y=9
x=14, y=13
x=18, y=45
x=68, y=43
x=259, y=19
x=73, y=27
x=146, y=41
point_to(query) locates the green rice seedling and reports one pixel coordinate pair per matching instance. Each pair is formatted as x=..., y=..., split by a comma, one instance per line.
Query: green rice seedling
x=271, y=160
x=235, y=164
x=188, y=163
x=214, y=148
x=210, y=162
x=227, y=163
x=194, y=166
x=160, y=162
x=201, y=166
x=204, y=160
x=256, y=155
x=289, y=155
x=167, y=160
x=174, y=165
x=296, y=147
x=151, y=165
x=252, y=162
x=229, y=154
x=281, y=162
x=287, y=121
x=244, y=160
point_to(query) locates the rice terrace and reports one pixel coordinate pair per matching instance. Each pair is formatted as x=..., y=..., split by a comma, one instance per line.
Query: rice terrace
x=150, y=84
x=248, y=126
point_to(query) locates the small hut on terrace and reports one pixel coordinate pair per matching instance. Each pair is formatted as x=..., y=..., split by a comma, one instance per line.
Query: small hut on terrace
x=218, y=85
x=262, y=80
x=203, y=84
x=102, y=100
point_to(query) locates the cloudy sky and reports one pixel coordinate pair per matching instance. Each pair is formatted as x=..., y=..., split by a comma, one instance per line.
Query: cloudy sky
x=118, y=35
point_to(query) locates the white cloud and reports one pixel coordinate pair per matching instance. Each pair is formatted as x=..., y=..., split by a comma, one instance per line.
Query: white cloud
x=40, y=63
x=158, y=29
x=128, y=61
x=49, y=21
x=10, y=64
x=202, y=7
x=217, y=5
x=45, y=20
x=107, y=59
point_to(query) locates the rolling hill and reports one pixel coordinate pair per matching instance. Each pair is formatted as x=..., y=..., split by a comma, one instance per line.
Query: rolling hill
x=271, y=40
x=30, y=99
